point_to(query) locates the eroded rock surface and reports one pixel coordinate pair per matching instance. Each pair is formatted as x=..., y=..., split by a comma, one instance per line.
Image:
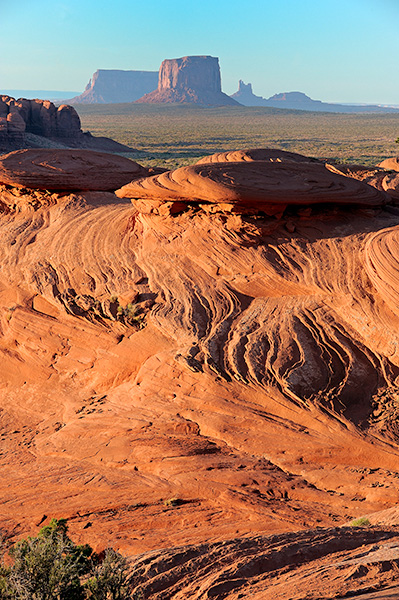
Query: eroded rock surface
x=193, y=79
x=250, y=186
x=263, y=154
x=75, y=169
x=206, y=388
x=376, y=177
x=390, y=164
x=22, y=121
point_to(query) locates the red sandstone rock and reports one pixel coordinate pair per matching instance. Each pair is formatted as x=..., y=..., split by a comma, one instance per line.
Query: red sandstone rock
x=42, y=118
x=377, y=177
x=265, y=154
x=67, y=169
x=193, y=79
x=254, y=186
x=390, y=164
x=256, y=404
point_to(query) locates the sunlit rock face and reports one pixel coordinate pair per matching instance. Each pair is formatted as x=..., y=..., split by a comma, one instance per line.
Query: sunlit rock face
x=222, y=381
x=39, y=117
x=192, y=79
x=67, y=169
x=250, y=186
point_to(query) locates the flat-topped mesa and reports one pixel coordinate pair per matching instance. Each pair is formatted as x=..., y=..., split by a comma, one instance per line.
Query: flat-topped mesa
x=249, y=188
x=193, y=79
x=112, y=85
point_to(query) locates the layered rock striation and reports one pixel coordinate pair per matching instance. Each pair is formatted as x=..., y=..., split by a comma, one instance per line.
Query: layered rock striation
x=191, y=79
x=220, y=390
x=74, y=169
x=109, y=86
x=39, y=117
x=31, y=123
x=249, y=187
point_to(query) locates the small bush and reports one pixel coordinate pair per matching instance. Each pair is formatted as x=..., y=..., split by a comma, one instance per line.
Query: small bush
x=361, y=522
x=52, y=567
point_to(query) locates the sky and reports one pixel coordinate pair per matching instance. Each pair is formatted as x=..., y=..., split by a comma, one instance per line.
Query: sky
x=332, y=50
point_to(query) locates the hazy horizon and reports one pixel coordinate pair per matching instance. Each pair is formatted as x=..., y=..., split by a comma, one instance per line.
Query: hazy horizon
x=342, y=51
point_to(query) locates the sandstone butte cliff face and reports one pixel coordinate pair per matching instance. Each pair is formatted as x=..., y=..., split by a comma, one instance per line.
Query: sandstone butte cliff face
x=111, y=85
x=223, y=382
x=30, y=123
x=194, y=79
x=40, y=117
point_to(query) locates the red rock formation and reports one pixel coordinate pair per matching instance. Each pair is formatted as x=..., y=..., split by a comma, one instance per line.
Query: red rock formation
x=193, y=79
x=390, y=164
x=376, y=177
x=42, y=118
x=250, y=186
x=45, y=169
x=264, y=154
x=205, y=387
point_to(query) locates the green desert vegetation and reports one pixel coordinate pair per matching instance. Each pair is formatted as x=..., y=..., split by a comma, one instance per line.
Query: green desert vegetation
x=176, y=135
x=51, y=566
x=360, y=522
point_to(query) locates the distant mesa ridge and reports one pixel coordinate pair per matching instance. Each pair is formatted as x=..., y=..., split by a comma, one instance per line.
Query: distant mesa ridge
x=299, y=101
x=190, y=79
x=108, y=86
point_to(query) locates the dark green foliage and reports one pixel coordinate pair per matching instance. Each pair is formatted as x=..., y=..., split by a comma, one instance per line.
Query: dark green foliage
x=110, y=578
x=51, y=566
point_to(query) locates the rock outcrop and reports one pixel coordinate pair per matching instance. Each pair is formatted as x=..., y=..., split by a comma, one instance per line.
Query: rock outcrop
x=75, y=169
x=192, y=79
x=213, y=395
x=33, y=123
x=256, y=154
x=374, y=176
x=249, y=187
x=108, y=86
x=390, y=164
x=244, y=95
x=300, y=101
x=39, y=117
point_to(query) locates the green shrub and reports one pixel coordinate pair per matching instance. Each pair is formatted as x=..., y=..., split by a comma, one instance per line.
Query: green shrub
x=361, y=522
x=52, y=567
x=110, y=578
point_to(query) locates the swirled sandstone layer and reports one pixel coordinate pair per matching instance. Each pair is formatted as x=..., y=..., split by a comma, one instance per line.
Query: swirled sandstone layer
x=247, y=186
x=390, y=164
x=173, y=380
x=76, y=169
x=374, y=176
x=264, y=154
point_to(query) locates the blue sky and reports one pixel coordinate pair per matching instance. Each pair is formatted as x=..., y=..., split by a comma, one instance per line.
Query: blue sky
x=341, y=50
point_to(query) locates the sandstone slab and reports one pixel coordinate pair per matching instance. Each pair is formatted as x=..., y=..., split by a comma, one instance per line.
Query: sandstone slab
x=390, y=164
x=264, y=154
x=254, y=186
x=74, y=169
